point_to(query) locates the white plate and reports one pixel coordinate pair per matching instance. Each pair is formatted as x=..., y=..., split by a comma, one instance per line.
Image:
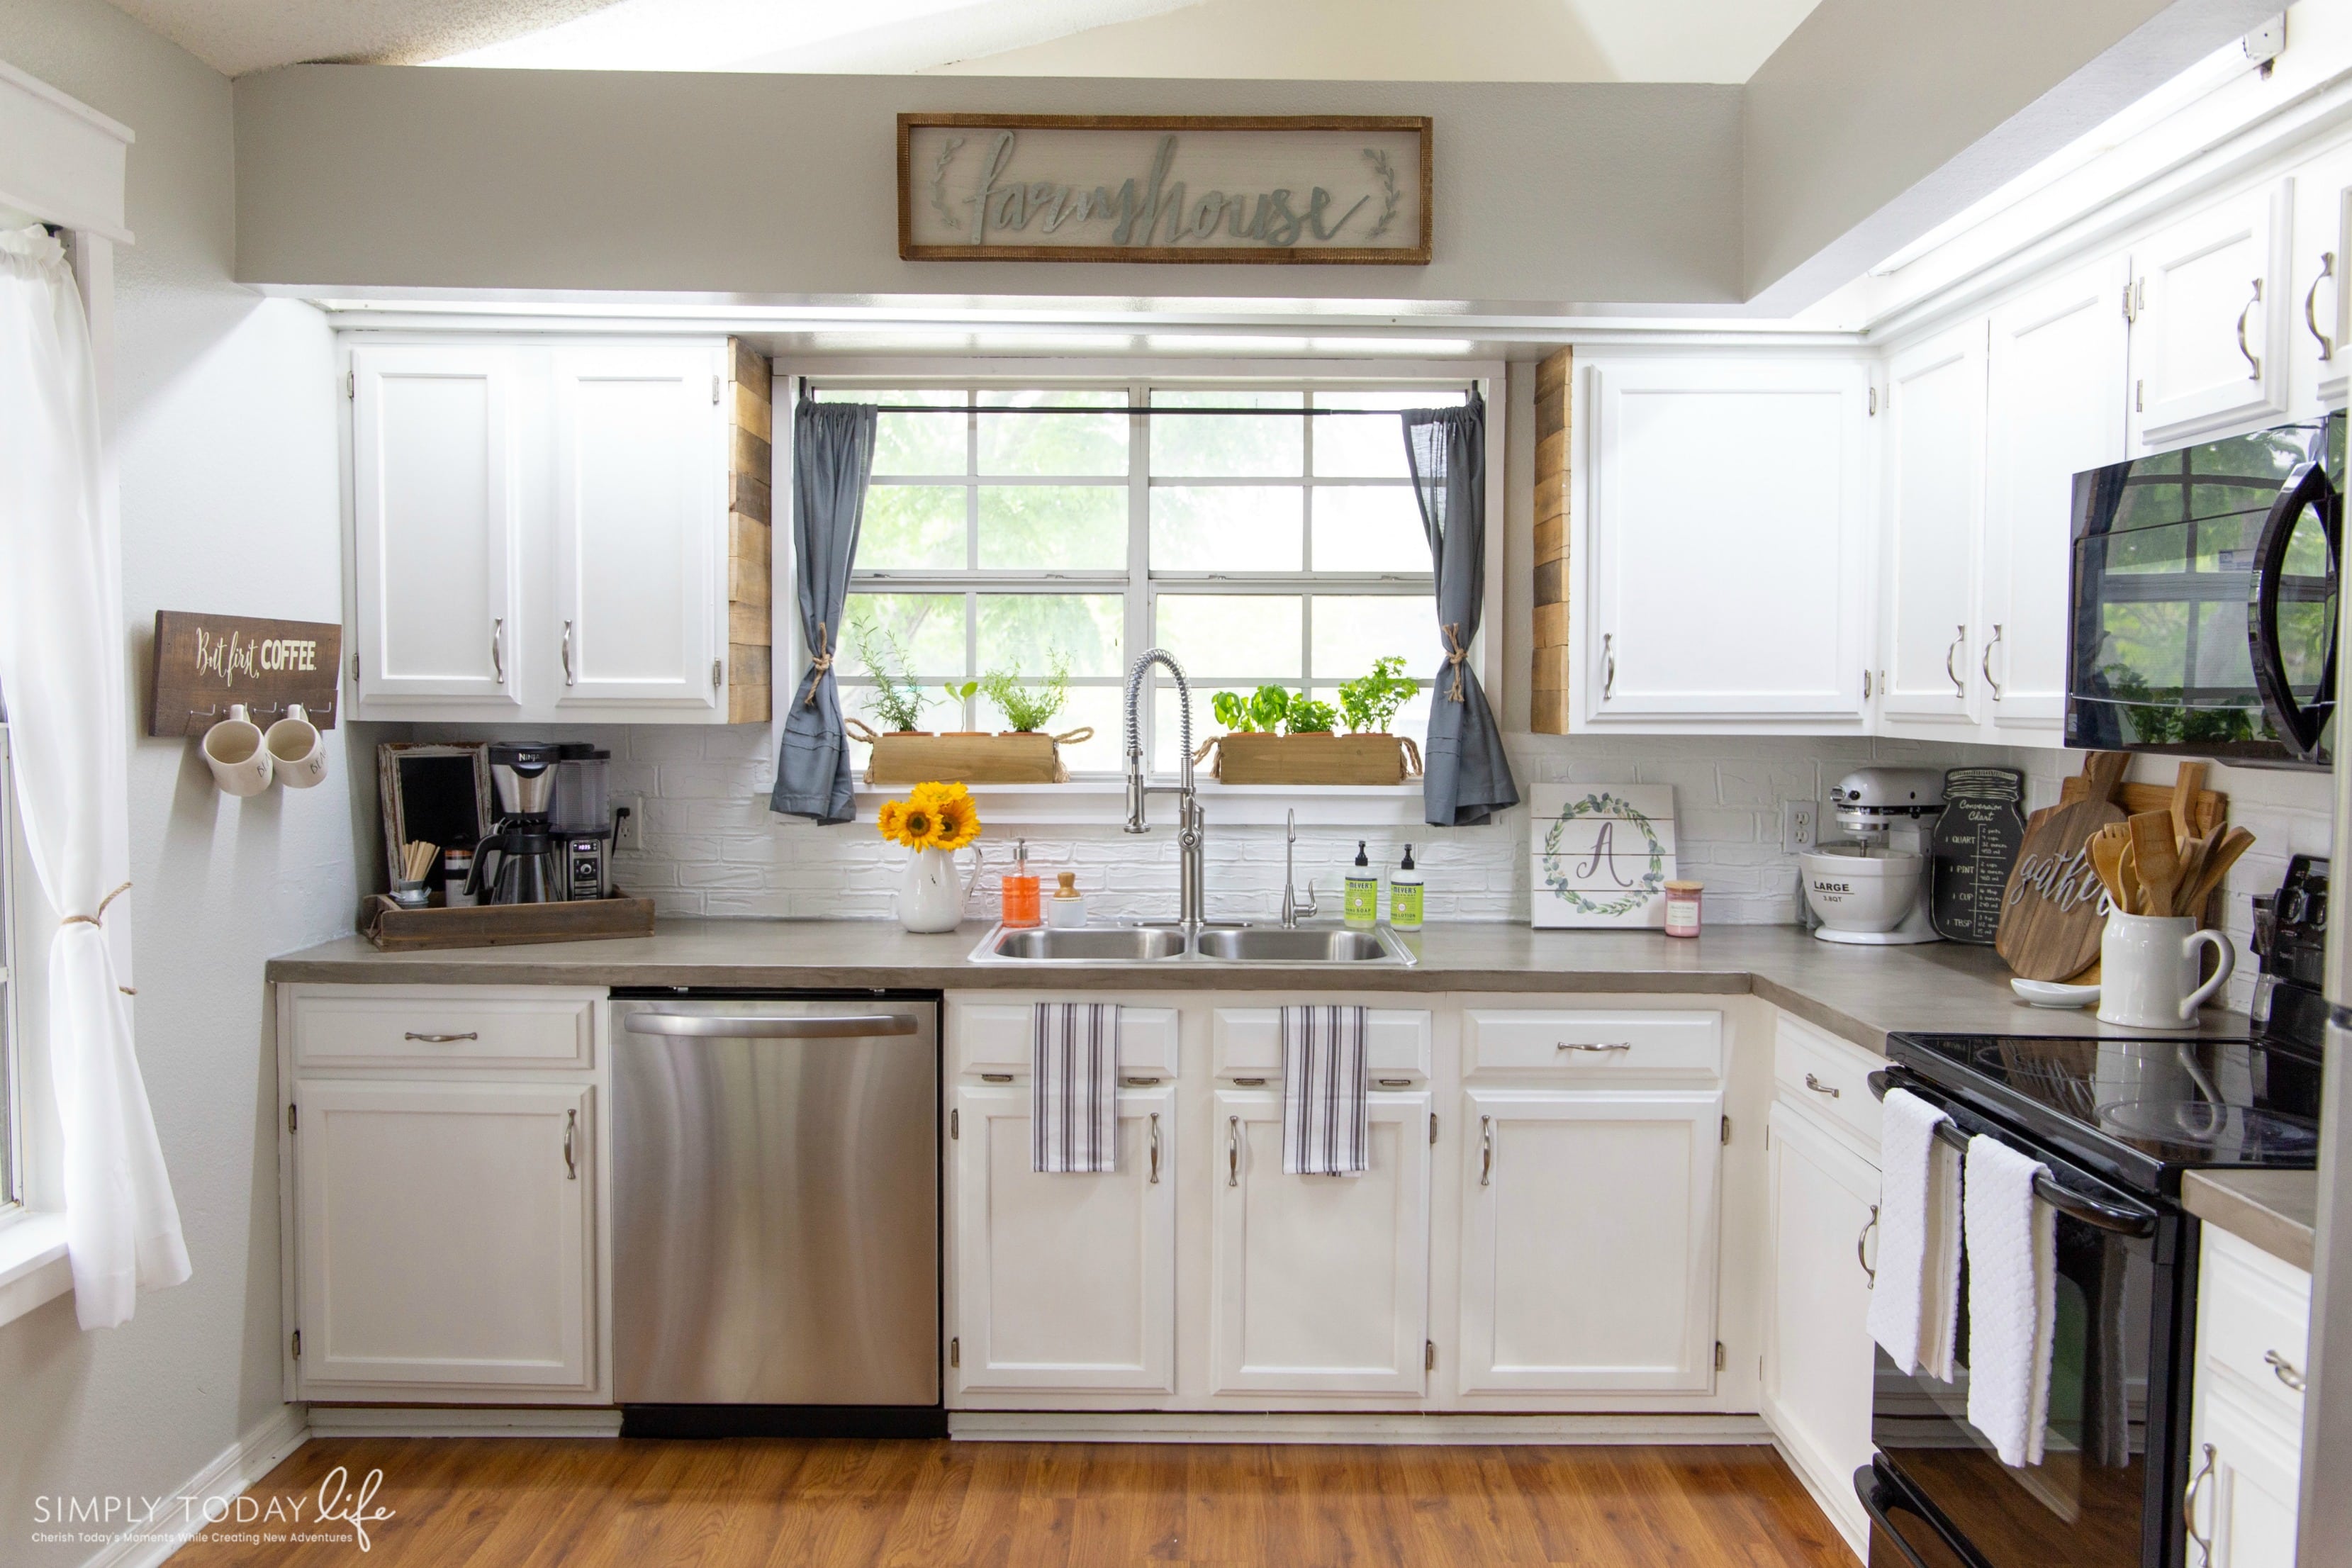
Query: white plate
x=2052, y=993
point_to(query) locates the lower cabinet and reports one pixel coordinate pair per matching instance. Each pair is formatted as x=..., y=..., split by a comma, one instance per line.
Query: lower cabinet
x=1063, y=1282
x=2245, y=1440
x=1588, y=1252
x=446, y=1236
x=1320, y=1284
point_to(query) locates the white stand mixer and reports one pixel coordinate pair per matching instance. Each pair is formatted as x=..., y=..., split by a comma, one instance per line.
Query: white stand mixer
x=1873, y=892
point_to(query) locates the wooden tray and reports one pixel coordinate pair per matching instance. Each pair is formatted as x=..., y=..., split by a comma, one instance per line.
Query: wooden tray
x=396, y=930
x=1259, y=759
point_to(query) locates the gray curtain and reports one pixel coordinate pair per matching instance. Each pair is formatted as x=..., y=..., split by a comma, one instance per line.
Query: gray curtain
x=1468, y=777
x=833, y=454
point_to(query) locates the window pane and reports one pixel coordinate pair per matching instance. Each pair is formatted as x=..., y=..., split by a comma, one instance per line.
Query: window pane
x=911, y=527
x=1053, y=443
x=913, y=444
x=1365, y=447
x=1228, y=528
x=1052, y=527
x=923, y=631
x=1229, y=638
x=1228, y=445
x=1352, y=630
x=1411, y=719
x=1021, y=634
x=1095, y=706
x=1369, y=528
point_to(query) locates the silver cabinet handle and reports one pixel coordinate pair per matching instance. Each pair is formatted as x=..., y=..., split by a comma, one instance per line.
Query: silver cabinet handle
x=571, y=1145
x=1485, y=1151
x=1985, y=664
x=1581, y=1046
x=1608, y=665
x=1865, y=686
x=2327, y=271
x=1233, y=1151
x=1960, y=635
x=569, y=678
x=2204, y=1543
x=498, y=649
x=1861, y=1242
x=1817, y=1086
x=2285, y=1371
x=2253, y=359
x=1155, y=1148
x=996, y=1078
x=1395, y=1082
x=441, y=1039
x=719, y=1027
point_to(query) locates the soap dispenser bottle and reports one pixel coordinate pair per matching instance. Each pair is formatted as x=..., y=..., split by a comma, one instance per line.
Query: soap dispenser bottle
x=1361, y=906
x=1404, y=895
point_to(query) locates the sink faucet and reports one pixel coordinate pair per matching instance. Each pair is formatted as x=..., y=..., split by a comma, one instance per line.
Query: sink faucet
x=1293, y=910
x=1190, y=828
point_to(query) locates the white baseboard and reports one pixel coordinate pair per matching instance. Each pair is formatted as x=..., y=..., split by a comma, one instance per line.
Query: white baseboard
x=1316, y=1427
x=235, y=1469
x=443, y=1421
x=1841, y=1506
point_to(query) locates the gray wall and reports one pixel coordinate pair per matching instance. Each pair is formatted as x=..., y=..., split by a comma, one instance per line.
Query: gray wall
x=223, y=420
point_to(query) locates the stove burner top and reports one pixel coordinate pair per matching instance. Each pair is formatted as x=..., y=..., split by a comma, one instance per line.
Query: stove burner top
x=2200, y=1126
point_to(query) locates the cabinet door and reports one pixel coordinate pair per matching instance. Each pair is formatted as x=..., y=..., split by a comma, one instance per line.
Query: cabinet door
x=1728, y=538
x=436, y=509
x=1589, y=1241
x=2247, y=1465
x=2058, y=391
x=1063, y=1282
x=2209, y=348
x=2316, y=361
x=639, y=517
x=1817, y=1356
x=1320, y=1283
x=444, y=1232
x=1935, y=508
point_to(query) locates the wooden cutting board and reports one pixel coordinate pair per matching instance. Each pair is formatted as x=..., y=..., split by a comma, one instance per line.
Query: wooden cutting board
x=2053, y=914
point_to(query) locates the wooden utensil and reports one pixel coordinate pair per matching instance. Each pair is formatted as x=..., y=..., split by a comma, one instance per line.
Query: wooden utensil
x=2236, y=842
x=2106, y=851
x=2185, y=787
x=2156, y=855
x=2051, y=915
x=2135, y=890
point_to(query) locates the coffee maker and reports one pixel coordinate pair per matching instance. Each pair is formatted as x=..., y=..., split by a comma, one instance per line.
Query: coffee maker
x=583, y=821
x=517, y=863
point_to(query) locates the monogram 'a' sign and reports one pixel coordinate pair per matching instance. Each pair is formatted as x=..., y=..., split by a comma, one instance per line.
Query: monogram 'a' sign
x=1602, y=854
x=205, y=663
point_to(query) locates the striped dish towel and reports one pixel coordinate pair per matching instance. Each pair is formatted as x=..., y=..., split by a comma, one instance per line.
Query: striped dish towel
x=1074, y=1088
x=1325, y=1129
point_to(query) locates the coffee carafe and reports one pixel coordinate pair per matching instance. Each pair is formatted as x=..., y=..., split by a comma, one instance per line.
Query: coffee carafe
x=517, y=863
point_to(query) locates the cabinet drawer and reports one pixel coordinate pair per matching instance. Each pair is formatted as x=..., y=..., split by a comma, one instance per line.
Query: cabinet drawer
x=1246, y=1042
x=1595, y=1044
x=422, y=1026
x=1826, y=1076
x=2251, y=1307
x=991, y=1040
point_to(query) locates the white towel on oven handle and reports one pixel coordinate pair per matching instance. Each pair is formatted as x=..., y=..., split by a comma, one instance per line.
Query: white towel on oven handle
x=1914, y=1297
x=2012, y=1300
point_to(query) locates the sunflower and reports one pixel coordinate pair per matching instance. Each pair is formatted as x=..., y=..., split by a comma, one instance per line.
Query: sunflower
x=955, y=822
x=892, y=820
x=933, y=816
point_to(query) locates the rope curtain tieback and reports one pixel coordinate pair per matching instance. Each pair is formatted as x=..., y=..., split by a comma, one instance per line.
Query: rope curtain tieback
x=98, y=920
x=820, y=661
x=1454, y=656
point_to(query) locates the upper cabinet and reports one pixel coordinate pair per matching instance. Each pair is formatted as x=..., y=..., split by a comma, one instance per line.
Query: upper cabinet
x=543, y=532
x=1933, y=531
x=1728, y=533
x=2316, y=360
x=2211, y=341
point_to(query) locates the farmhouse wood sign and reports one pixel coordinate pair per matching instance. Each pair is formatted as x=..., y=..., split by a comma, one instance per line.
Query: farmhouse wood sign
x=1084, y=187
x=204, y=663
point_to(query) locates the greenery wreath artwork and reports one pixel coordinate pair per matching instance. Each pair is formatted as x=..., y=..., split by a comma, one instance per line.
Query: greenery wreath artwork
x=1614, y=808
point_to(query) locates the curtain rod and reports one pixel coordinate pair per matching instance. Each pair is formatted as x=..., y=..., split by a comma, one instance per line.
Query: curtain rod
x=1147, y=410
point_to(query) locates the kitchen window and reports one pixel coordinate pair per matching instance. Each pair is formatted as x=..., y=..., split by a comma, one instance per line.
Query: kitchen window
x=1276, y=545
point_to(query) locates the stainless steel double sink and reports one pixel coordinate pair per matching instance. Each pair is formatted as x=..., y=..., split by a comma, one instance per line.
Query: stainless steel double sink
x=1148, y=944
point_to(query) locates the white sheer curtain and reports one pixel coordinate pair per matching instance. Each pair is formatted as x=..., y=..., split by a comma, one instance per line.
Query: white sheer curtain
x=61, y=670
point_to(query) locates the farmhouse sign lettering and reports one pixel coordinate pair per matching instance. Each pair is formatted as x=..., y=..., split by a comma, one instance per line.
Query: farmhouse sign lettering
x=204, y=663
x=1051, y=187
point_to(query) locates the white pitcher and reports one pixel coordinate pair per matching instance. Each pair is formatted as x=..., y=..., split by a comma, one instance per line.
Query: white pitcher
x=2148, y=971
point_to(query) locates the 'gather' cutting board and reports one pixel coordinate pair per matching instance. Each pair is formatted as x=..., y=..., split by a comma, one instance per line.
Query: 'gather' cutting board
x=2054, y=911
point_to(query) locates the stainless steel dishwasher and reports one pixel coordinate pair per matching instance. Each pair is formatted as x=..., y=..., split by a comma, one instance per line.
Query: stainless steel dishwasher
x=776, y=1213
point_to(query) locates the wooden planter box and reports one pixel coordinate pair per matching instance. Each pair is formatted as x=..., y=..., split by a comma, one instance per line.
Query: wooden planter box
x=918, y=756
x=396, y=930
x=1254, y=759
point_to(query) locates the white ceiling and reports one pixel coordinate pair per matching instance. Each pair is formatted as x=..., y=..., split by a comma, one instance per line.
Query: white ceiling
x=1404, y=40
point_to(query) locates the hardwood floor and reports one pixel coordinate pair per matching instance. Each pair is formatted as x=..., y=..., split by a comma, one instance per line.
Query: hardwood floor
x=589, y=1503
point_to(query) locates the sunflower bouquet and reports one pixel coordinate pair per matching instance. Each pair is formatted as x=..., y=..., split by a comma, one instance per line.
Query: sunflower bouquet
x=934, y=816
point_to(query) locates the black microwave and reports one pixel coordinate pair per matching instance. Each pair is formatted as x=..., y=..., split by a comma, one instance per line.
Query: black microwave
x=2204, y=604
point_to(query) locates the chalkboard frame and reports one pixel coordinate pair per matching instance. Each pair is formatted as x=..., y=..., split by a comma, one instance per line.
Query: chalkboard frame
x=391, y=796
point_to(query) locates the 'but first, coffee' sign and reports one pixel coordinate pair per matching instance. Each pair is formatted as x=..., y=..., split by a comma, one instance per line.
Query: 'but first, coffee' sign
x=205, y=663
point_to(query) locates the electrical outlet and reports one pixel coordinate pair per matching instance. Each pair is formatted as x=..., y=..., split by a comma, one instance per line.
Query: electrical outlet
x=629, y=824
x=1797, y=822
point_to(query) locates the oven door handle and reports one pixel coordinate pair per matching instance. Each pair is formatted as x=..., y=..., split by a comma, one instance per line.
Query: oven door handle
x=2299, y=726
x=1873, y=1492
x=2121, y=1218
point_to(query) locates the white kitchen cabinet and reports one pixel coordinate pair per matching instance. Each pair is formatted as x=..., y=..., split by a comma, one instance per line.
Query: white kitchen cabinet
x=2246, y=1470
x=2211, y=343
x=2057, y=396
x=1320, y=1284
x=1063, y=1282
x=437, y=535
x=2317, y=260
x=1934, y=436
x=2246, y=1441
x=446, y=1237
x=1589, y=1240
x=1818, y=1354
x=1727, y=528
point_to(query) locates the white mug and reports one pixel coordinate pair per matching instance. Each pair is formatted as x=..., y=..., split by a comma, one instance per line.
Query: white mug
x=2148, y=971
x=234, y=751
x=296, y=750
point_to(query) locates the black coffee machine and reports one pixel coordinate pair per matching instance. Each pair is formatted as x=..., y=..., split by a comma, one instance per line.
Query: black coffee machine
x=519, y=863
x=2290, y=943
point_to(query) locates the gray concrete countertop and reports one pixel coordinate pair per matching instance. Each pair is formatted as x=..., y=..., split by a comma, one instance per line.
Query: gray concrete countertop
x=2278, y=1211
x=1860, y=994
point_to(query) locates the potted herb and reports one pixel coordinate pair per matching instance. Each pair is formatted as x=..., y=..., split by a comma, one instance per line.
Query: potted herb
x=1278, y=736
x=1019, y=755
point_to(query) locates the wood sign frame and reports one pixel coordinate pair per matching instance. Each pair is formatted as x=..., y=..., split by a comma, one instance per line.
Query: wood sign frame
x=205, y=663
x=1257, y=225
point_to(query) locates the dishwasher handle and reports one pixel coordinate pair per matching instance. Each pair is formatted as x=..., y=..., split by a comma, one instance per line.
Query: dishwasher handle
x=719, y=1026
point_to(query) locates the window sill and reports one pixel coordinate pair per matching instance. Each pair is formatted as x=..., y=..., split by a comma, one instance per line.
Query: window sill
x=1103, y=803
x=33, y=1267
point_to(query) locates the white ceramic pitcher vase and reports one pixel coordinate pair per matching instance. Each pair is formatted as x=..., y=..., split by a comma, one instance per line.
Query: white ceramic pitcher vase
x=2148, y=971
